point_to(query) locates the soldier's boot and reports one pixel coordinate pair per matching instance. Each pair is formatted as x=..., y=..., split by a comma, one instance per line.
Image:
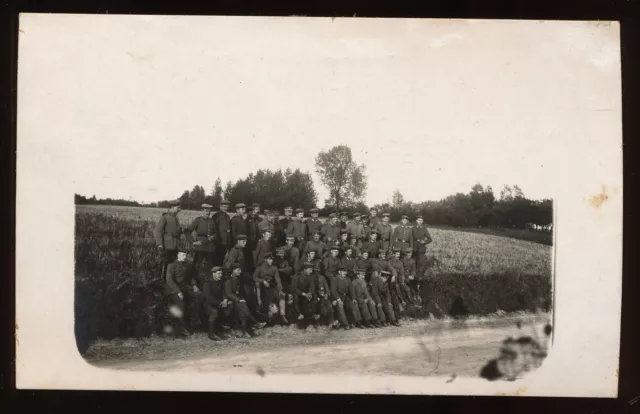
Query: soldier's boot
x=251, y=332
x=212, y=331
x=395, y=323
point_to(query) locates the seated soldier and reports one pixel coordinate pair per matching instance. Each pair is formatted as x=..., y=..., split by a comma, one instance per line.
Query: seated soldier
x=381, y=295
x=269, y=287
x=410, y=277
x=343, y=241
x=365, y=302
x=218, y=309
x=316, y=244
x=265, y=245
x=302, y=287
x=343, y=297
x=244, y=321
x=183, y=296
x=348, y=262
x=322, y=299
x=400, y=288
x=286, y=273
x=311, y=257
x=364, y=264
x=373, y=245
x=355, y=250
x=331, y=263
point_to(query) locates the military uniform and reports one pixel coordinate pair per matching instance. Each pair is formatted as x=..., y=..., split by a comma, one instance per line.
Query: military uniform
x=411, y=279
x=313, y=224
x=421, y=239
x=238, y=226
x=381, y=294
x=342, y=289
x=364, y=265
x=355, y=250
x=322, y=297
x=205, y=229
x=330, y=266
x=167, y=234
x=373, y=221
x=284, y=224
x=253, y=234
x=330, y=231
x=272, y=293
x=365, y=302
x=385, y=232
x=298, y=229
x=371, y=247
x=263, y=247
x=233, y=292
x=349, y=263
x=399, y=291
x=380, y=265
x=285, y=271
x=292, y=254
x=237, y=255
x=267, y=225
x=403, y=237
x=214, y=294
x=356, y=228
x=319, y=246
x=180, y=279
x=302, y=284
x=222, y=241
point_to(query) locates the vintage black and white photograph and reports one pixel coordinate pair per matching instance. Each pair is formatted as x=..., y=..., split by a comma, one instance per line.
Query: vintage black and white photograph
x=374, y=198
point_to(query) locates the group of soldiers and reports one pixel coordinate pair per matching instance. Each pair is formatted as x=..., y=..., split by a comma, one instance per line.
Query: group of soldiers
x=248, y=271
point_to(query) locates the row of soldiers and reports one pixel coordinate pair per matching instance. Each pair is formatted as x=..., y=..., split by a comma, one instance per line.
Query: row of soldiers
x=323, y=272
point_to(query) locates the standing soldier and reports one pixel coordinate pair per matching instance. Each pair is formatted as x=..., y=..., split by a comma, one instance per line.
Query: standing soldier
x=374, y=219
x=343, y=296
x=235, y=294
x=269, y=287
x=356, y=228
x=256, y=212
x=291, y=252
x=331, y=229
x=410, y=277
x=313, y=224
x=223, y=240
x=331, y=263
x=316, y=244
x=363, y=263
x=372, y=245
x=344, y=220
x=403, y=235
x=302, y=289
x=385, y=231
x=348, y=262
x=167, y=234
x=284, y=223
x=265, y=245
x=421, y=238
x=217, y=308
x=238, y=223
x=298, y=229
x=367, y=227
x=399, y=288
x=205, y=229
x=365, y=303
x=267, y=223
x=381, y=295
x=253, y=234
x=183, y=296
x=354, y=246
x=237, y=255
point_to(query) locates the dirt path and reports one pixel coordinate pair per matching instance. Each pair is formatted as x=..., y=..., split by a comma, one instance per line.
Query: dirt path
x=417, y=348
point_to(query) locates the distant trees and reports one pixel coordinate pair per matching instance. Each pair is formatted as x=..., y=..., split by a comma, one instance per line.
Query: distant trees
x=343, y=177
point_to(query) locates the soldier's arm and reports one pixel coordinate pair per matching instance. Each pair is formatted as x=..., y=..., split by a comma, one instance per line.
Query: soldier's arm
x=230, y=258
x=257, y=259
x=209, y=297
x=257, y=275
x=334, y=288
x=278, y=281
x=392, y=269
x=170, y=278
x=191, y=229
x=228, y=291
x=157, y=232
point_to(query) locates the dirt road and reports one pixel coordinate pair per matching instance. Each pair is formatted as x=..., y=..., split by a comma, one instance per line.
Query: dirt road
x=417, y=348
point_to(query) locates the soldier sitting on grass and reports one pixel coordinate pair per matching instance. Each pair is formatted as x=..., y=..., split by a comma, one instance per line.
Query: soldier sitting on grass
x=302, y=288
x=365, y=302
x=381, y=295
x=410, y=277
x=322, y=299
x=269, y=287
x=219, y=310
x=183, y=296
x=364, y=264
x=344, y=301
x=243, y=319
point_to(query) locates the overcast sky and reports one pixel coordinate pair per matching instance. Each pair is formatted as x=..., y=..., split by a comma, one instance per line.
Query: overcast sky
x=154, y=105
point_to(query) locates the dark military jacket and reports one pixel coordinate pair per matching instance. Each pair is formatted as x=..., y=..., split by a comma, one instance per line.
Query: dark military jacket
x=360, y=289
x=168, y=231
x=267, y=273
x=292, y=254
x=330, y=266
x=380, y=265
x=372, y=248
x=380, y=292
x=222, y=221
x=421, y=238
x=298, y=229
x=313, y=225
x=350, y=264
x=179, y=277
x=363, y=264
x=266, y=224
x=203, y=228
x=341, y=288
x=330, y=232
x=373, y=221
x=235, y=255
x=403, y=237
x=409, y=265
x=302, y=283
x=386, y=231
x=238, y=226
x=213, y=291
x=253, y=233
x=357, y=229
x=397, y=264
x=319, y=246
x=232, y=289
x=320, y=285
x=284, y=223
x=264, y=247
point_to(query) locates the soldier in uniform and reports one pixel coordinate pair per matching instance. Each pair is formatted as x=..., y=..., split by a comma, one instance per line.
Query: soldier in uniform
x=237, y=255
x=365, y=303
x=331, y=263
x=285, y=271
x=344, y=300
x=265, y=245
x=316, y=244
x=348, y=262
x=356, y=228
x=284, y=224
x=344, y=220
x=381, y=295
x=367, y=227
x=403, y=235
x=253, y=234
x=298, y=228
x=233, y=292
x=267, y=281
x=373, y=219
x=385, y=232
x=256, y=212
x=380, y=263
x=217, y=308
x=400, y=290
x=310, y=257
x=183, y=296
x=167, y=234
x=363, y=263
x=354, y=246
x=421, y=238
x=205, y=229
x=331, y=229
x=268, y=223
x=302, y=289
x=372, y=245
x=322, y=298
x=410, y=277
x=291, y=252
x=223, y=240
x=343, y=241
x=238, y=222
x=313, y=224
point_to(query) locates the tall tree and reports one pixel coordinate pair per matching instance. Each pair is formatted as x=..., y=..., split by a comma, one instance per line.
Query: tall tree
x=343, y=177
x=398, y=199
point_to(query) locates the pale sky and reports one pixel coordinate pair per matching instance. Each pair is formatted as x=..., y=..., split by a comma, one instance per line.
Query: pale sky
x=155, y=105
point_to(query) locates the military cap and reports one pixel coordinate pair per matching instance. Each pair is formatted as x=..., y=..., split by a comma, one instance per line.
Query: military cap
x=341, y=268
x=268, y=256
x=312, y=250
x=382, y=251
x=332, y=215
x=308, y=265
x=267, y=230
x=299, y=210
x=343, y=214
x=360, y=271
x=353, y=236
x=235, y=265
x=408, y=250
x=175, y=202
x=288, y=208
x=342, y=231
x=207, y=206
x=334, y=247
x=419, y=216
x=396, y=249
x=280, y=249
x=384, y=273
x=405, y=217
x=216, y=269
x=241, y=237
x=314, y=210
x=255, y=205
x=290, y=236
x=249, y=208
x=357, y=215
x=313, y=233
x=386, y=215
x=240, y=205
x=224, y=201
